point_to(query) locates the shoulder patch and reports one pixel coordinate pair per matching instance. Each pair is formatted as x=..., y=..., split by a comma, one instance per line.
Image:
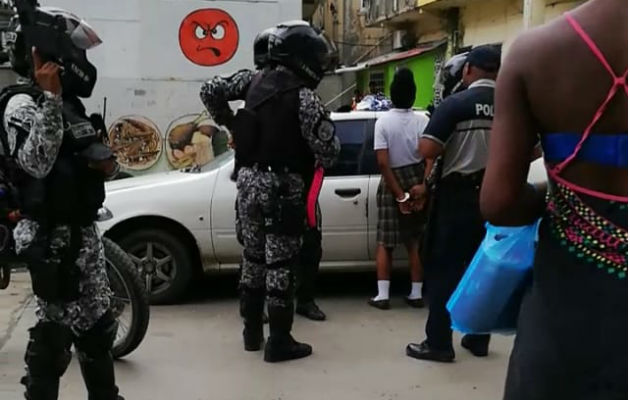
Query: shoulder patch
x=325, y=130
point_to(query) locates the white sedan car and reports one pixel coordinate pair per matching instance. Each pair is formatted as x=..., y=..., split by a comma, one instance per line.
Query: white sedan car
x=178, y=224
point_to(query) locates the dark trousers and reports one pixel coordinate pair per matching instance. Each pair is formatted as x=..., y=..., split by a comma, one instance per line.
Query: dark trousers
x=457, y=229
x=48, y=356
x=310, y=256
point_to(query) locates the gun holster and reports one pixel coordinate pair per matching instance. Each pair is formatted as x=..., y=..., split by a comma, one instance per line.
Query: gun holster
x=54, y=277
x=288, y=215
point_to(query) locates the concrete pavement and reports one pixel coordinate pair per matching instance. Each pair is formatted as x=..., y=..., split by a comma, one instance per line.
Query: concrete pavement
x=194, y=352
x=13, y=303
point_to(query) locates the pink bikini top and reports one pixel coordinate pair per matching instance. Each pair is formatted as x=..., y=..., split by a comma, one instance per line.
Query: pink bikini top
x=618, y=82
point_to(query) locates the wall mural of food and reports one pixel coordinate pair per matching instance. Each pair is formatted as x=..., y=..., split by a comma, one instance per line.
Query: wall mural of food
x=136, y=141
x=194, y=139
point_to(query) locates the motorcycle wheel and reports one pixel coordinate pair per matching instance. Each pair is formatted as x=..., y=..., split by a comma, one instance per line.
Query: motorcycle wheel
x=5, y=276
x=130, y=302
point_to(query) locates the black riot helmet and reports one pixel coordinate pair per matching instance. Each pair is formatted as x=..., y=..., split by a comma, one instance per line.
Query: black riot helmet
x=261, y=48
x=60, y=37
x=451, y=75
x=302, y=49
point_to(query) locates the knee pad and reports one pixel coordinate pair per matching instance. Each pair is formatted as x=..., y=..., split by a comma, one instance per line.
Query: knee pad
x=48, y=350
x=280, y=286
x=98, y=340
x=252, y=272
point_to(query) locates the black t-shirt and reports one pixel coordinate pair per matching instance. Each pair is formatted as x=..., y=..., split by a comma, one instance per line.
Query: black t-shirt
x=461, y=123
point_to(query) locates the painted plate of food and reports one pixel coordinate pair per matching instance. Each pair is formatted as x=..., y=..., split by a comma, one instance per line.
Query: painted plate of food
x=136, y=141
x=191, y=140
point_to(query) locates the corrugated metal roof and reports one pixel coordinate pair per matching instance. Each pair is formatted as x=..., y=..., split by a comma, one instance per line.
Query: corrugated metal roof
x=396, y=56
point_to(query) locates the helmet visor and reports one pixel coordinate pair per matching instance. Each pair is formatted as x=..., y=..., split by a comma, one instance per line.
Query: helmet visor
x=79, y=31
x=84, y=37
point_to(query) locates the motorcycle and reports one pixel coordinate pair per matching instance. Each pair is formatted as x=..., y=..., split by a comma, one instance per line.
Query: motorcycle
x=129, y=302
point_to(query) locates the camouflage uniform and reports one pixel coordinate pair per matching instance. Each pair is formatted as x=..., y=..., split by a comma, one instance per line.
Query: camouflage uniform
x=36, y=157
x=268, y=257
x=86, y=321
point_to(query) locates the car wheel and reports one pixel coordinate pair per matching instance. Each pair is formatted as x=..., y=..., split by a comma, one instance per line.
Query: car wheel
x=163, y=261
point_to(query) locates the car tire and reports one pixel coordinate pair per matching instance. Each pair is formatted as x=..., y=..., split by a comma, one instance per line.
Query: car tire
x=144, y=244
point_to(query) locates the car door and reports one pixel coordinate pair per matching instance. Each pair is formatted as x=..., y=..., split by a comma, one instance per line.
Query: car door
x=343, y=198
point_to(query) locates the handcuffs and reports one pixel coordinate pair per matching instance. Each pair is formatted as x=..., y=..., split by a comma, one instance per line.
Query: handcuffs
x=406, y=196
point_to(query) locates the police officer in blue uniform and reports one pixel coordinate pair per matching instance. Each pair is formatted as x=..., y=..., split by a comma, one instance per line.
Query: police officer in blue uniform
x=458, y=131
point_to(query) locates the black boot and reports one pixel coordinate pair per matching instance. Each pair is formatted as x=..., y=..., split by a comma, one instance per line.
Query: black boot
x=96, y=361
x=252, y=307
x=47, y=357
x=281, y=346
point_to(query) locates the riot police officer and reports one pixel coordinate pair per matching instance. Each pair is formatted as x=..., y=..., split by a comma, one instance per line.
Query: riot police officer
x=58, y=165
x=311, y=251
x=280, y=136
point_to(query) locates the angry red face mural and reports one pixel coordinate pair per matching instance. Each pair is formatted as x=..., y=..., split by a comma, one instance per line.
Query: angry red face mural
x=208, y=37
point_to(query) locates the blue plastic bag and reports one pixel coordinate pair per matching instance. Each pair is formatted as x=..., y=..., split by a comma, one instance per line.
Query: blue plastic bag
x=489, y=295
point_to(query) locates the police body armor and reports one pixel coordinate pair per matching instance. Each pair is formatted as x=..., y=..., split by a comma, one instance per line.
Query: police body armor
x=71, y=194
x=267, y=132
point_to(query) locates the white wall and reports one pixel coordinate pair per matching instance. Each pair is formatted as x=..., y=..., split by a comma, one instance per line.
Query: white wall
x=142, y=70
x=491, y=21
x=554, y=9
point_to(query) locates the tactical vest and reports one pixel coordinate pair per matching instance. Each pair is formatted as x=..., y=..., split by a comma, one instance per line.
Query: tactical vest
x=267, y=131
x=72, y=192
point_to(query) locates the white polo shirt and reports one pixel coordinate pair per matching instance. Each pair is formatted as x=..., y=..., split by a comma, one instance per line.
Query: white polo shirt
x=398, y=131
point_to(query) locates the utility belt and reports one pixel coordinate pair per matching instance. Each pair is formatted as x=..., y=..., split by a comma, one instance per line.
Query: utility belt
x=455, y=179
x=278, y=168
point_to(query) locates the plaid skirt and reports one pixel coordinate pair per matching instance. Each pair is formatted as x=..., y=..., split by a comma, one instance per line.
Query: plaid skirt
x=393, y=227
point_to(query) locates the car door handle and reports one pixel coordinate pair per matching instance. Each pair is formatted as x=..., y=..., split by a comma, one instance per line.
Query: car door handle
x=347, y=192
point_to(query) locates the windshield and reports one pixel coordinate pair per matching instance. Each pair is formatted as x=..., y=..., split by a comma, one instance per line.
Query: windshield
x=216, y=163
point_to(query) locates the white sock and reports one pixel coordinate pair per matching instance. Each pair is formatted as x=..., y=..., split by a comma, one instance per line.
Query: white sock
x=383, y=290
x=416, y=291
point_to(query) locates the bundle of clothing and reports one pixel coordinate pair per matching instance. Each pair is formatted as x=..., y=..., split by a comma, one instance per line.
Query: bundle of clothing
x=374, y=102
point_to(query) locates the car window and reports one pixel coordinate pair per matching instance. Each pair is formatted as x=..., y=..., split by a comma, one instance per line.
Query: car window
x=352, y=138
x=368, y=165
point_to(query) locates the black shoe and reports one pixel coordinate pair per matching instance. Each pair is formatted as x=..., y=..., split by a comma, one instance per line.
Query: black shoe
x=380, y=304
x=422, y=351
x=311, y=311
x=281, y=346
x=415, y=303
x=476, y=344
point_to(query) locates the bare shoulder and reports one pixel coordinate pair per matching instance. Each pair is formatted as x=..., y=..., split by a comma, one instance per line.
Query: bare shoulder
x=538, y=46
